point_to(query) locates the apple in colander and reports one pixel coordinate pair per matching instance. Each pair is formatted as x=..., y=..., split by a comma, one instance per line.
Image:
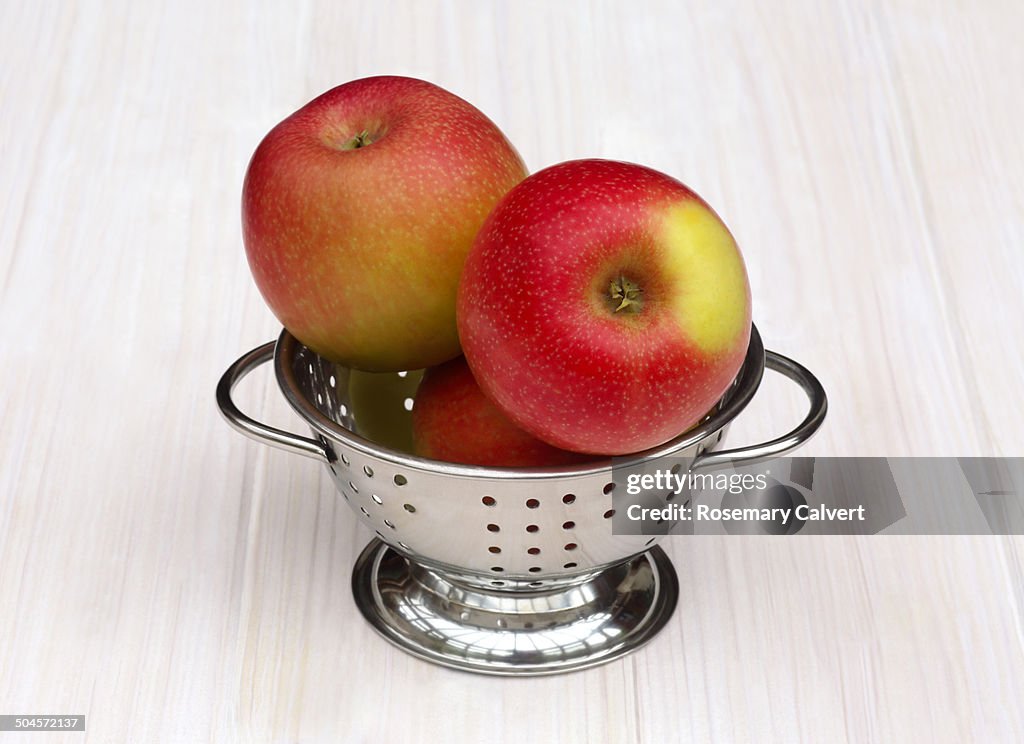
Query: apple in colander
x=452, y=420
x=357, y=214
x=604, y=307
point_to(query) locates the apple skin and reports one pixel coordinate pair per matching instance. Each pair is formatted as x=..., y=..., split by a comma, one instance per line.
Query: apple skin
x=604, y=307
x=453, y=421
x=357, y=214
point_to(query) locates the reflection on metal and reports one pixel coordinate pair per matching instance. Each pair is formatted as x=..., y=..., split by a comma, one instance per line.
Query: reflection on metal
x=600, y=617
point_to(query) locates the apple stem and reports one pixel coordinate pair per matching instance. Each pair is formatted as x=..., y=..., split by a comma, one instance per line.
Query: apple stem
x=360, y=140
x=627, y=294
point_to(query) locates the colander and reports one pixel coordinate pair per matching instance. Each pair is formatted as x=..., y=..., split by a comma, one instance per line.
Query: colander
x=509, y=571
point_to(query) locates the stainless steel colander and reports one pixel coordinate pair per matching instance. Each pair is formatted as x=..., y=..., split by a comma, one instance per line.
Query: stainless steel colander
x=498, y=570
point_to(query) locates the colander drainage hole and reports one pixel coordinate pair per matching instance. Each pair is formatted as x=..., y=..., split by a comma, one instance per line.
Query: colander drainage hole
x=488, y=501
x=389, y=523
x=493, y=583
x=534, y=583
x=409, y=508
x=609, y=487
x=404, y=545
x=501, y=622
x=535, y=569
x=497, y=569
x=532, y=503
x=571, y=546
x=494, y=549
x=376, y=499
x=609, y=514
x=533, y=551
x=568, y=498
x=363, y=510
x=368, y=470
x=493, y=528
x=570, y=565
x=400, y=480
x=353, y=487
x=344, y=459
x=568, y=525
x=532, y=528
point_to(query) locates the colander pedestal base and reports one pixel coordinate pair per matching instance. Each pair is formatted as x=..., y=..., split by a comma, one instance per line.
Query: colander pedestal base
x=572, y=625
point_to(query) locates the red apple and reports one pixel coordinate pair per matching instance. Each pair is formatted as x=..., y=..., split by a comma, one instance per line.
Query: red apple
x=604, y=307
x=358, y=211
x=452, y=420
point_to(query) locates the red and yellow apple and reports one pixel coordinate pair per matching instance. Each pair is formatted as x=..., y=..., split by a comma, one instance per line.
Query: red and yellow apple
x=452, y=420
x=604, y=307
x=357, y=214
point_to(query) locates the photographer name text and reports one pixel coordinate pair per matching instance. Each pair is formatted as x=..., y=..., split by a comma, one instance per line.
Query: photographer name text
x=706, y=513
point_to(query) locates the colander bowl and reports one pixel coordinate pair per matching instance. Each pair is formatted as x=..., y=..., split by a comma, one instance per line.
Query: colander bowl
x=498, y=570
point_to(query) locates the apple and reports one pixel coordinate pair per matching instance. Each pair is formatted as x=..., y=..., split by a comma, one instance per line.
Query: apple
x=604, y=307
x=357, y=214
x=452, y=420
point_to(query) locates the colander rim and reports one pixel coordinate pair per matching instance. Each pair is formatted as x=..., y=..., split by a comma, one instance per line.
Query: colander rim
x=735, y=399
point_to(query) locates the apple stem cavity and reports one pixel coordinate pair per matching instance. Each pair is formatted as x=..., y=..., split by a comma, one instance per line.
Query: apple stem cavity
x=624, y=296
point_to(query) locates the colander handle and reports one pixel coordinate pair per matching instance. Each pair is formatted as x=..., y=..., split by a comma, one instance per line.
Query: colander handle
x=252, y=428
x=787, y=442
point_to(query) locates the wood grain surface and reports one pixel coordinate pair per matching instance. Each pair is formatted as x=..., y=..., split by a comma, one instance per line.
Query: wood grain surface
x=177, y=583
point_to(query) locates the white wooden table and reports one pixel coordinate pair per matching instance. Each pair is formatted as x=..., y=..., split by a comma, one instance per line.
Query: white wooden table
x=176, y=582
